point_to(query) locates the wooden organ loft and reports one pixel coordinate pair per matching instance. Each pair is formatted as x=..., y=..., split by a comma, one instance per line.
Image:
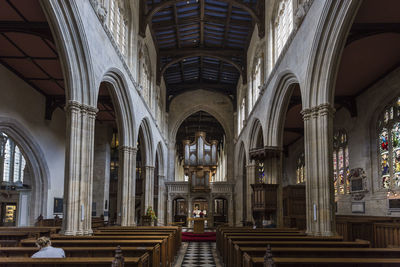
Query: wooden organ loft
x=200, y=162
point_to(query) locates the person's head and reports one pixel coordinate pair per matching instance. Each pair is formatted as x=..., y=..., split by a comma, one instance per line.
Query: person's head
x=43, y=242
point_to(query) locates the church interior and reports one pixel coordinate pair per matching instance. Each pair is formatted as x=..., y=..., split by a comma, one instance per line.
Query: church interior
x=200, y=132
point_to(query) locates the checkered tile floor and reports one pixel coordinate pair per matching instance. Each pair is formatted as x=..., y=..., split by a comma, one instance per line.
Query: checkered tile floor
x=199, y=254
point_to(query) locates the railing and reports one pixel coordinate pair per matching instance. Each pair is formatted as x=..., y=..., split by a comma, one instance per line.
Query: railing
x=177, y=187
x=221, y=187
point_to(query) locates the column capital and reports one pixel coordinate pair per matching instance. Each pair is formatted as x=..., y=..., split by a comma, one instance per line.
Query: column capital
x=128, y=149
x=89, y=109
x=322, y=109
x=72, y=105
x=149, y=167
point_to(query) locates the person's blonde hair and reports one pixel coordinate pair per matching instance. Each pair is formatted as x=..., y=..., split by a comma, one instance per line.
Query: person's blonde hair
x=43, y=241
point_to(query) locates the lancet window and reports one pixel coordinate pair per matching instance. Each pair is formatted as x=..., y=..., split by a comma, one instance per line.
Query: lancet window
x=12, y=161
x=300, y=169
x=283, y=25
x=145, y=74
x=341, y=171
x=389, y=146
x=117, y=23
x=257, y=78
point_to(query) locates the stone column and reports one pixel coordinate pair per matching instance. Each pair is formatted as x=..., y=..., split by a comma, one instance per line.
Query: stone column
x=148, y=187
x=126, y=186
x=250, y=168
x=230, y=211
x=170, y=209
x=318, y=128
x=78, y=180
x=161, y=200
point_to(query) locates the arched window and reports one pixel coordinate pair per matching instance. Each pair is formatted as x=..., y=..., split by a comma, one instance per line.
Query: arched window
x=12, y=162
x=389, y=146
x=145, y=73
x=341, y=171
x=283, y=25
x=257, y=78
x=300, y=169
x=117, y=23
x=242, y=113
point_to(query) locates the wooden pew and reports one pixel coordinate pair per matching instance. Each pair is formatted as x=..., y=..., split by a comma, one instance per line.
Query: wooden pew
x=249, y=261
x=262, y=245
x=107, y=243
x=228, y=249
x=169, y=245
x=10, y=236
x=301, y=252
x=224, y=230
x=153, y=251
x=177, y=230
x=75, y=262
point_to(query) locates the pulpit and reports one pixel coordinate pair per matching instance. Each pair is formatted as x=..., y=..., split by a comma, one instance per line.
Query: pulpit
x=198, y=225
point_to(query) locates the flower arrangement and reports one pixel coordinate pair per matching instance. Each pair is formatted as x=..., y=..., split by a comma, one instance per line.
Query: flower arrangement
x=150, y=212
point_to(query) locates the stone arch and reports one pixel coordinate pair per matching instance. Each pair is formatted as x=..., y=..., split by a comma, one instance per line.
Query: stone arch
x=255, y=132
x=279, y=103
x=147, y=141
x=328, y=44
x=70, y=39
x=121, y=98
x=36, y=160
x=161, y=159
x=195, y=109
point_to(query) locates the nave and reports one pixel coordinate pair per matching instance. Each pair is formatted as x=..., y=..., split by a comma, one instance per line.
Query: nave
x=273, y=126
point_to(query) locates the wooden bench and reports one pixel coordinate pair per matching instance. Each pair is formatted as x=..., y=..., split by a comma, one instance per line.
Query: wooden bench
x=301, y=252
x=249, y=261
x=175, y=229
x=108, y=243
x=228, y=249
x=75, y=262
x=153, y=251
x=169, y=242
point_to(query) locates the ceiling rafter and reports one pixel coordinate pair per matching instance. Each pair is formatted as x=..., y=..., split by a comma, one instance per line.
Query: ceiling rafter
x=39, y=28
x=203, y=54
x=160, y=6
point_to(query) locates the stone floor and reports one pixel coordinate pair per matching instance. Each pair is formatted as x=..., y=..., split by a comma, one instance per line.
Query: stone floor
x=198, y=254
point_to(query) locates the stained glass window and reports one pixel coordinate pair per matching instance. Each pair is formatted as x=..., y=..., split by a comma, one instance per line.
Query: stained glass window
x=341, y=169
x=12, y=161
x=300, y=170
x=389, y=146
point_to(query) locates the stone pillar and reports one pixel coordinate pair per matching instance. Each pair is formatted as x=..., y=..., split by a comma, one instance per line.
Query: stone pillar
x=190, y=211
x=318, y=145
x=77, y=217
x=251, y=169
x=126, y=186
x=161, y=200
x=170, y=210
x=273, y=174
x=230, y=211
x=148, y=188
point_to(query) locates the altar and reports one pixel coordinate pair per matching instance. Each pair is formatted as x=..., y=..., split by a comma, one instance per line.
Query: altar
x=198, y=225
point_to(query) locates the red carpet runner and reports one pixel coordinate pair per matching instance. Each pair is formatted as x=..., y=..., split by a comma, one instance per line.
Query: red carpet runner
x=192, y=237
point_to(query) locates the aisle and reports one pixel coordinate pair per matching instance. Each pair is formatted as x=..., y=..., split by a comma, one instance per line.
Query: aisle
x=198, y=254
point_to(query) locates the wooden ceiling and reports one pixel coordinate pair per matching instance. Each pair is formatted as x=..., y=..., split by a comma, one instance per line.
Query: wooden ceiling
x=202, y=44
x=28, y=50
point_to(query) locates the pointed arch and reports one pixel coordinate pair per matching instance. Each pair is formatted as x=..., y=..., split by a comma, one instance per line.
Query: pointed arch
x=256, y=133
x=35, y=159
x=160, y=157
x=70, y=39
x=121, y=98
x=147, y=141
x=279, y=104
x=328, y=44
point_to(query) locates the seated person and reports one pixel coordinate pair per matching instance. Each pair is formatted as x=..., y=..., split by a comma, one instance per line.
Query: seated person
x=46, y=250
